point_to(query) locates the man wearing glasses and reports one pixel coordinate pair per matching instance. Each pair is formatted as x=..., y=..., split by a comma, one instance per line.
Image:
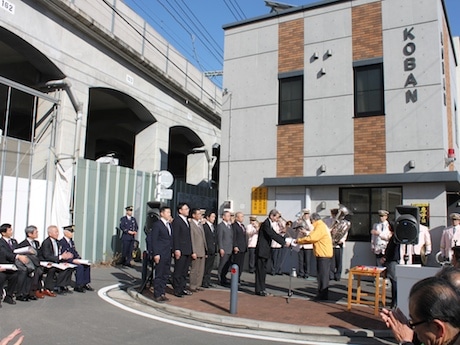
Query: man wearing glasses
x=434, y=310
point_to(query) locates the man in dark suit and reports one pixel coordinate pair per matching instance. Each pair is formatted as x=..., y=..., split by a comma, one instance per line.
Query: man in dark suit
x=266, y=235
x=160, y=244
x=225, y=247
x=50, y=251
x=211, y=248
x=33, y=286
x=128, y=227
x=182, y=246
x=82, y=271
x=16, y=279
x=240, y=242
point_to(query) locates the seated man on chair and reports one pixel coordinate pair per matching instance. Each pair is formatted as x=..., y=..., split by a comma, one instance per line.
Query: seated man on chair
x=50, y=251
x=82, y=271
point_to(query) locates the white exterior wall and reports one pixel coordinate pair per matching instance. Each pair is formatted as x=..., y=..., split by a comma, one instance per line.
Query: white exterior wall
x=413, y=128
x=328, y=108
x=414, y=131
x=250, y=111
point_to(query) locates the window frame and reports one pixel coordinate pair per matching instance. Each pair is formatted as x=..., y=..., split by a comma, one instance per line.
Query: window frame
x=366, y=67
x=286, y=78
x=369, y=216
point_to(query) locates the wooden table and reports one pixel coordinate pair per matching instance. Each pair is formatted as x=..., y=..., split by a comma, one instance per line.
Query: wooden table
x=380, y=288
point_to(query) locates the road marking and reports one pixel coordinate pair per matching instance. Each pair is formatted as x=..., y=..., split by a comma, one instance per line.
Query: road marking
x=234, y=333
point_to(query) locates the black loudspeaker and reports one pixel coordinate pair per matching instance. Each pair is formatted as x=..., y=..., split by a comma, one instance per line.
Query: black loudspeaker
x=153, y=214
x=407, y=224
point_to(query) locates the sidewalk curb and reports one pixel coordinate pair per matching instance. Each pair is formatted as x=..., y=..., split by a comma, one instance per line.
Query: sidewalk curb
x=249, y=324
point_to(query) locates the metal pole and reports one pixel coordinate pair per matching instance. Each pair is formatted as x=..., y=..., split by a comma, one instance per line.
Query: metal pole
x=4, y=138
x=234, y=288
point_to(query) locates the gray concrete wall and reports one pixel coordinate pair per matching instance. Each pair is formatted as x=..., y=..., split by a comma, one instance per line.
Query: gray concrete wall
x=414, y=131
x=87, y=63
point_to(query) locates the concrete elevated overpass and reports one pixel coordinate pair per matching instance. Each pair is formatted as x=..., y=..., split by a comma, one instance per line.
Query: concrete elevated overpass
x=85, y=80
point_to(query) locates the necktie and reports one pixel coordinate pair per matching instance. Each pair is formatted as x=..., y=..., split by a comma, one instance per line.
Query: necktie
x=55, y=248
x=10, y=243
x=242, y=227
x=33, y=244
x=169, y=228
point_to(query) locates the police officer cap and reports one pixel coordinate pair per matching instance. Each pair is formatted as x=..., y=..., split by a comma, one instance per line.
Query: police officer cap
x=70, y=228
x=128, y=208
x=251, y=218
x=455, y=216
x=383, y=213
x=306, y=210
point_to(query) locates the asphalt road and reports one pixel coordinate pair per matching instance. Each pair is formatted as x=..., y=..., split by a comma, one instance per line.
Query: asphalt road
x=88, y=319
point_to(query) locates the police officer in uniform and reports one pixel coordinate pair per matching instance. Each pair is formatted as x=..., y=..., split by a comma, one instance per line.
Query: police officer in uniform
x=129, y=227
x=82, y=271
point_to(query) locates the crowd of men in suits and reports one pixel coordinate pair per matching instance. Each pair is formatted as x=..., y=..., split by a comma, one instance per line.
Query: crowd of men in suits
x=29, y=271
x=191, y=239
x=194, y=242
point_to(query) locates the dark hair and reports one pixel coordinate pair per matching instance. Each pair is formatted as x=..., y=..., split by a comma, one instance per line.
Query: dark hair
x=208, y=213
x=163, y=208
x=456, y=252
x=194, y=211
x=4, y=227
x=435, y=298
x=391, y=226
x=181, y=204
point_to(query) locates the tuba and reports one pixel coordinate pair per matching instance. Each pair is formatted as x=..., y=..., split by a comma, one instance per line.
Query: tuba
x=340, y=225
x=442, y=260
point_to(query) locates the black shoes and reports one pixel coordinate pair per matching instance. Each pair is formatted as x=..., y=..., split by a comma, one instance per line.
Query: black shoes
x=9, y=300
x=225, y=283
x=263, y=293
x=88, y=287
x=186, y=292
x=179, y=295
x=161, y=299
x=22, y=298
x=60, y=291
x=79, y=289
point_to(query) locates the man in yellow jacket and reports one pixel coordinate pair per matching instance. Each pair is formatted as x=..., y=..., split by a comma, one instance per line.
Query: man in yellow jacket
x=321, y=239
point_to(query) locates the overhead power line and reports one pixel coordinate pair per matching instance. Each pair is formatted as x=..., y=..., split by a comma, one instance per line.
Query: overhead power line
x=156, y=48
x=238, y=15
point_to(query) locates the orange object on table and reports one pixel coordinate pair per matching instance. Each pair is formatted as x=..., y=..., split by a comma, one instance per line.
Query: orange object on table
x=380, y=289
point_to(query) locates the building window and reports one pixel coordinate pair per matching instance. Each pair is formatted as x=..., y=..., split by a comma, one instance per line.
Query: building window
x=369, y=90
x=290, y=100
x=16, y=113
x=364, y=204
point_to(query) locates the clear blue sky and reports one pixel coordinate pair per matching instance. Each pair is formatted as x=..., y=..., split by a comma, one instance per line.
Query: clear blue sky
x=194, y=27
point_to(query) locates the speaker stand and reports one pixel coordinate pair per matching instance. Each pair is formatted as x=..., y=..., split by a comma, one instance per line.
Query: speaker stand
x=406, y=256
